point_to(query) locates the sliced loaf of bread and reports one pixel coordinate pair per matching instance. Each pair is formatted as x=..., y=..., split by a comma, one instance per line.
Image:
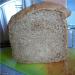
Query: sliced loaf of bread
x=38, y=34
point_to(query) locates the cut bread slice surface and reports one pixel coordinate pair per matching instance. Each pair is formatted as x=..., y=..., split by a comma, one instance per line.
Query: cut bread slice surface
x=38, y=35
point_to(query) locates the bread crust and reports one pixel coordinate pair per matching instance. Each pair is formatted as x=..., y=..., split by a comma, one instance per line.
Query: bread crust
x=44, y=5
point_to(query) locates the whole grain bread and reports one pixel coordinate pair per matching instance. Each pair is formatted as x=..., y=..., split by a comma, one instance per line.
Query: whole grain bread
x=38, y=34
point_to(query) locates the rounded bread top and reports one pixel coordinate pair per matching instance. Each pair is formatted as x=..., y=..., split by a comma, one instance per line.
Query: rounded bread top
x=45, y=5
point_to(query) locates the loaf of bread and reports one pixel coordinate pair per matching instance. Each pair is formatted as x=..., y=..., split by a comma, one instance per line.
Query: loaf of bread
x=38, y=34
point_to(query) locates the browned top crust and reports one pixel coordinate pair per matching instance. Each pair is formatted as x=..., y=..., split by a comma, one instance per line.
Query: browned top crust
x=44, y=5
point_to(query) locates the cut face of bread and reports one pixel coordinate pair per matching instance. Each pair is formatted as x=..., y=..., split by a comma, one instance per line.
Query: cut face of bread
x=39, y=37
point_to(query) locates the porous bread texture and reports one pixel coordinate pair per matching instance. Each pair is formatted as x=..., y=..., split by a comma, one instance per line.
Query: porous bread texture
x=39, y=37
